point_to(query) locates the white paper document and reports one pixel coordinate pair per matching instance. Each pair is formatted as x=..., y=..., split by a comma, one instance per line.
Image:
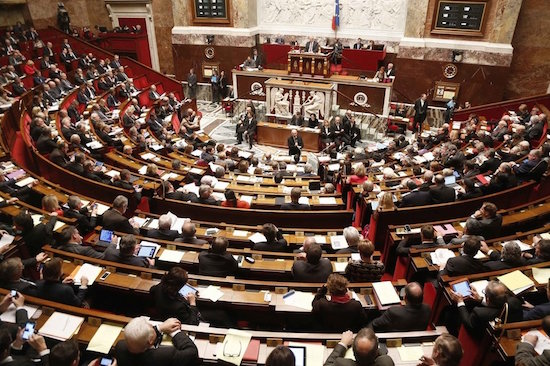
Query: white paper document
x=25, y=182
x=299, y=299
x=256, y=238
x=386, y=293
x=61, y=326
x=174, y=256
x=212, y=293
x=338, y=242
x=89, y=271
x=8, y=316
x=104, y=338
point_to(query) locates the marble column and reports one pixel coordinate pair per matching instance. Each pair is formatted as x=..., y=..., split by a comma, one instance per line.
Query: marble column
x=417, y=11
x=504, y=23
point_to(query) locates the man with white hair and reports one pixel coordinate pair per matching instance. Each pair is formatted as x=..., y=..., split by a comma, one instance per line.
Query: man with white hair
x=353, y=237
x=142, y=345
x=164, y=231
x=295, y=143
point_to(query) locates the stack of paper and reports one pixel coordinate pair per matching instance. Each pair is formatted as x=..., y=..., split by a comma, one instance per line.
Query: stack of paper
x=104, y=338
x=212, y=293
x=191, y=188
x=516, y=282
x=320, y=239
x=240, y=233
x=410, y=353
x=86, y=270
x=338, y=242
x=221, y=186
x=173, y=256
x=61, y=326
x=441, y=255
x=234, y=346
x=543, y=343
x=386, y=293
x=257, y=238
x=303, y=200
x=299, y=299
x=25, y=182
x=541, y=275
x=327, y=200
x=101, y=208
x=6, y=239
x=340, y=266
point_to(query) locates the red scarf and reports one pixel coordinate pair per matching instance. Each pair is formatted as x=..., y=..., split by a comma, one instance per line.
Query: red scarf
x=340, y=299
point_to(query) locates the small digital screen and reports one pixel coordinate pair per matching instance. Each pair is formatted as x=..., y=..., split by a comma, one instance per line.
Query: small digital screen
x=186, y=290
x=146, y=251
x=106, y=235
x=462, y=288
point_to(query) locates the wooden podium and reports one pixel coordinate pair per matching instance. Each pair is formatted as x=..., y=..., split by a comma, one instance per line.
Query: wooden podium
x=305, y=63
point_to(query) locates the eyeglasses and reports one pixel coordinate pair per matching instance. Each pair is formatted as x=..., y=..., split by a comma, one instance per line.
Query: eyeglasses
x=232, y=348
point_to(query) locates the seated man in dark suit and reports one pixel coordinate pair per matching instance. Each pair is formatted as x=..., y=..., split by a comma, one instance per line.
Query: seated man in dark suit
x=490, y=220
x=475, y=321
x=466, y=263
x=294, y=205
x=416, y=197
x=153, y=94
x=217, y=261
x=127, y=253
x=13, y=353
x=11, y=273
x=51, y=288
x=297, y=119
x=275, y=242
x=365, y=350
x=441, y=193
x=313, y=268
x=510, y=257
x=205, y=196
x=522, y=170
x=447, y=351
x=142, y=345
x=45, y=144
x=188, y=232
x=85, y=220
x=70, y=241
x=525, y=352
x=114, y=219
x=539, y=311
x=413, y=316
x=164, y=232
x=428, y=239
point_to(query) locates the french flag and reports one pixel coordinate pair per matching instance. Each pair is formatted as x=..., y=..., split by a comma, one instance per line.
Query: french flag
x=336, y=17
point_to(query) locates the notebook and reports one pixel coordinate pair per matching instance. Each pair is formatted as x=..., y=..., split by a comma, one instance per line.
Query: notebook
x=386, y=293
x=61, y=326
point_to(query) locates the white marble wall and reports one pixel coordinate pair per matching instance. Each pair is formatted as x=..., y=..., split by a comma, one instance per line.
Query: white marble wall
x=382, y=20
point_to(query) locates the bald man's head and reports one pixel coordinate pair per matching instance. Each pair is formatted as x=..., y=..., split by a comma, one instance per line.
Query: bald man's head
x=414, y=294
x=308, y=241
x=365, y=347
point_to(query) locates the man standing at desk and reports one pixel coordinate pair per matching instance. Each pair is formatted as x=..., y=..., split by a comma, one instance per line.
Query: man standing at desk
x=192, y=84
x=312, y=46
x=420, y=111
x=295, y=143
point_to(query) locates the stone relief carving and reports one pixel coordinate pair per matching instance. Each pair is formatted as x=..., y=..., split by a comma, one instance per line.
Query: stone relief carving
x=372, y=14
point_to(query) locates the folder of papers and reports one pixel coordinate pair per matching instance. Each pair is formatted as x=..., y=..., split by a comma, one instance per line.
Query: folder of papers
x=86, y=270
x=8, y=316
x=327, y=200
x=257, y=238
x=61, y=326
x=299, y=299
x=234, y=346
x=338, y=242
x=541, y=275
x=6, y=239
x=212, y=293
x=516, y=282
x=25, y=182
x=174, y=256
x=410, y=353
x=386, y=293
x=104, y=338
x=441, y=256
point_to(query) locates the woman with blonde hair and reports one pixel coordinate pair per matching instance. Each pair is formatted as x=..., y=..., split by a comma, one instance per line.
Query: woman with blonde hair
x=51, y=204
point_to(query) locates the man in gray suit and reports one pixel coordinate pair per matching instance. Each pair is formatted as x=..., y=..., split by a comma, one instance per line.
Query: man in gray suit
x=365, y=350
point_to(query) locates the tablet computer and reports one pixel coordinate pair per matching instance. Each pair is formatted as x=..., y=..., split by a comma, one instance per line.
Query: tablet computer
x=299, y=355
x=105, y=237
x=187, y=289
x=462, y=287
x=147, y=251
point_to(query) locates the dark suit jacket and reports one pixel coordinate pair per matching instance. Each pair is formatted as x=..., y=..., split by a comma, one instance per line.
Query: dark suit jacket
x=538, y=312
x=84, y=223
x=279, y=245
x=476, y=320
x=178, y=195
x=113, y=254
x=82, y=250
x=178, y=307
x=40, y=235
x=315, y=46
x=463, y=265
x=163, y=234
x=491, y=227
x=526, y=356
x=442, y=194
x=420, y=111
x=295, y=207
x=190, y=240
x=113, y=220
x=403, y=318
x=60, y=292
x=416, y=198
x=304, y=271
x=219, y=265
x=292, y=148
x=183, y=352
x=336, y=358
x=338, y=317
